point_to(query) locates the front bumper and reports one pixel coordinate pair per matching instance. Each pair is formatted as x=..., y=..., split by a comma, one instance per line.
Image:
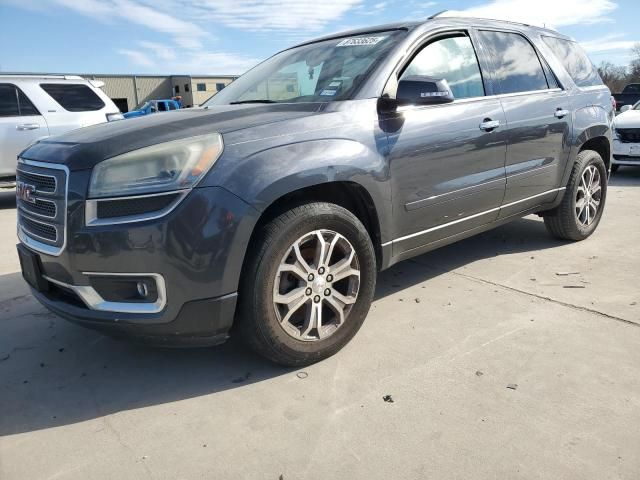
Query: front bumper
x=197, y=250
x=626, y=153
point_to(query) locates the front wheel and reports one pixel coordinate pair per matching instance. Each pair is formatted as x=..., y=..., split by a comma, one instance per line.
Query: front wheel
x=308, y=285
x=581, y=208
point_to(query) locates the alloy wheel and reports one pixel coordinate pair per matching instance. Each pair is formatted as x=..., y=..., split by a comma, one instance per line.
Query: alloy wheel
x=316, y=285
x=588, y=196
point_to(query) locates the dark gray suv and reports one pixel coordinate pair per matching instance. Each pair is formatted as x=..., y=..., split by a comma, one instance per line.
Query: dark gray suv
x=268, y=212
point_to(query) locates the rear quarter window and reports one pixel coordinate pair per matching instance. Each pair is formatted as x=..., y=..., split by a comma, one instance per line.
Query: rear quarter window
x=74, y=97
x=575, y=61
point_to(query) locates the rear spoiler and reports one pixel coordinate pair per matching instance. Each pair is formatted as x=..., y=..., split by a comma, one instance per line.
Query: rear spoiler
x=97, y=83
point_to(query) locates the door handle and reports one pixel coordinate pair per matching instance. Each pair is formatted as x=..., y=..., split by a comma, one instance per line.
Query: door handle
x=488, y=125
x=561, y=112
x=27, y=126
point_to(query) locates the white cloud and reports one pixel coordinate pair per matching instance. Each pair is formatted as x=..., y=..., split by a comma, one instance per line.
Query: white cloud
x=152, y=57
x=189, y=24
x=272, y=15
x=552, y=13
x=609, y=43
x=138, y=58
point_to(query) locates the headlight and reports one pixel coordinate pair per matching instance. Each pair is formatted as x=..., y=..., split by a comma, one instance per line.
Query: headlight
x=166, y=167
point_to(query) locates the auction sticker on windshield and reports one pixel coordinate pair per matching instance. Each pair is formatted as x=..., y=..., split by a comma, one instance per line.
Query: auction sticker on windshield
x=351, y=42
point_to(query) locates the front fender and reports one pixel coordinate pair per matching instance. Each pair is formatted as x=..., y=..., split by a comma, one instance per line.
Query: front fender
x=268, y=174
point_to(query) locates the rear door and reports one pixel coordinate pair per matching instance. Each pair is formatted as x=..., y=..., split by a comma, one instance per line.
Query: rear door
x=446, y=161
x=20, y=125
x=538, y=114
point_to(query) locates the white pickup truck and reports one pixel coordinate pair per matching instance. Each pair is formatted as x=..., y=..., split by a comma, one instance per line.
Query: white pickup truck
x=626, y=138
x=33, y=107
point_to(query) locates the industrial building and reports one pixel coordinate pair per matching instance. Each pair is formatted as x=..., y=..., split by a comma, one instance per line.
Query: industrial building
x=129, y=91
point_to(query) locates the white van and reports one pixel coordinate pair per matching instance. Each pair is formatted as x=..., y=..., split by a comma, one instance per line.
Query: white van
x=33, y=107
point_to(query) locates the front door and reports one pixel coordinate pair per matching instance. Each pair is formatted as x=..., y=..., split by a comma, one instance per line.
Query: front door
x=538, y=113
x=446, y=161
x=20, y=125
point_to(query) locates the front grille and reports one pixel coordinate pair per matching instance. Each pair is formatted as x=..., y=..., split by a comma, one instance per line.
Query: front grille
x=134, y=206
x=629, y=135
x=43, y=183
x=43, y=208
x=42, y=205
x=39, y=230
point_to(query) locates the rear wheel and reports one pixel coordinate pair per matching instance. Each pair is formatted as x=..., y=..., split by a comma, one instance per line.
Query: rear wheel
x=309, y=285
x=581, y=209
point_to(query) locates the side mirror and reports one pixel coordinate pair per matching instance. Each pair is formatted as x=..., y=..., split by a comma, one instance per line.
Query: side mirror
x=625, y=108
x=423, y=90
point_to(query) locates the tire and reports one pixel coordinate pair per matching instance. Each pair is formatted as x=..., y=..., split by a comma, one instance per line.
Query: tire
x=614, y=168
x=568, y=220
x=287, y=333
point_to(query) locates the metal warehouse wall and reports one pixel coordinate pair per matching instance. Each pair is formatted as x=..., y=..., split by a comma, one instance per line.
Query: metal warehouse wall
x=118, y=87
x=124, y=87
x=150, y=88
x=200, y=97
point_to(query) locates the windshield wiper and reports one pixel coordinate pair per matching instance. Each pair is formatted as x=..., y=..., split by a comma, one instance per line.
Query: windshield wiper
x=257, y=100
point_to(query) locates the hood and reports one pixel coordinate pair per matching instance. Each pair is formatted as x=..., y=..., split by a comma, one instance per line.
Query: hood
x=85, y=147
x=628, y=119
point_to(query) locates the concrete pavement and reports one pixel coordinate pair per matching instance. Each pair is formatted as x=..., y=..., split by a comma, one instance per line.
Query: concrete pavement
x=509, y=355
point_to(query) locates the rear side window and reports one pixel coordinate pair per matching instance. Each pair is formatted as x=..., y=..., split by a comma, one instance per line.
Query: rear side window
x=74, y=97
x=453, y=59
x=8, y=101
x=25, y=105
x=575, y=61
x=517, y=67
x=14, y=103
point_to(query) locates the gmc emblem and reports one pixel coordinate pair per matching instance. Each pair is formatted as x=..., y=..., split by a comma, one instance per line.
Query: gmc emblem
x=25, y=192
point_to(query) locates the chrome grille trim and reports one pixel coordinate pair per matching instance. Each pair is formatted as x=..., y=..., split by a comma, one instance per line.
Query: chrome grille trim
x=20, y=174
x=59, y=222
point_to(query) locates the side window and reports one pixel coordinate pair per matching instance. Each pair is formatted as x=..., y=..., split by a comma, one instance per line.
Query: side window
x=162, y=106
x=453, y=59
x=172, y=106
x=575, y=61
x=8, y=101
x=515, y=61
x=25, y=105
x=74, y=97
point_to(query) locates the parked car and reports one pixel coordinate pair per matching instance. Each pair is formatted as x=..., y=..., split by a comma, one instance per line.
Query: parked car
x=630, y=96
x=33, y=107
x=268, y=212
x=626, y=137
x=153, y=106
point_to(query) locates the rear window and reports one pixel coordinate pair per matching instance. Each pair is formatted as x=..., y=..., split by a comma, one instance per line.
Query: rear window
x=74, y=97
x=575, y=61
x=517, y=67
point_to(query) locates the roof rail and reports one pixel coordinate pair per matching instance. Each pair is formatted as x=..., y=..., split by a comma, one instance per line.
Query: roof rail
x=437, y=14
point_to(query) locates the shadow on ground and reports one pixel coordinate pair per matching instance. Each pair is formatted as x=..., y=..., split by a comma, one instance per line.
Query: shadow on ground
x=625, y=177
x=53, y=373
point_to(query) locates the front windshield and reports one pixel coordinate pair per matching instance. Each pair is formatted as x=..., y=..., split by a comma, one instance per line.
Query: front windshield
x=320, y=72
x=144, y=106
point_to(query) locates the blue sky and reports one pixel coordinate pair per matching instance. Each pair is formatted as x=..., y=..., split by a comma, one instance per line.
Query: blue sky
x=229, y=36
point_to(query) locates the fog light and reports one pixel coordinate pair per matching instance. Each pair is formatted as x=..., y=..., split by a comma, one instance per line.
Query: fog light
x=143, y=289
